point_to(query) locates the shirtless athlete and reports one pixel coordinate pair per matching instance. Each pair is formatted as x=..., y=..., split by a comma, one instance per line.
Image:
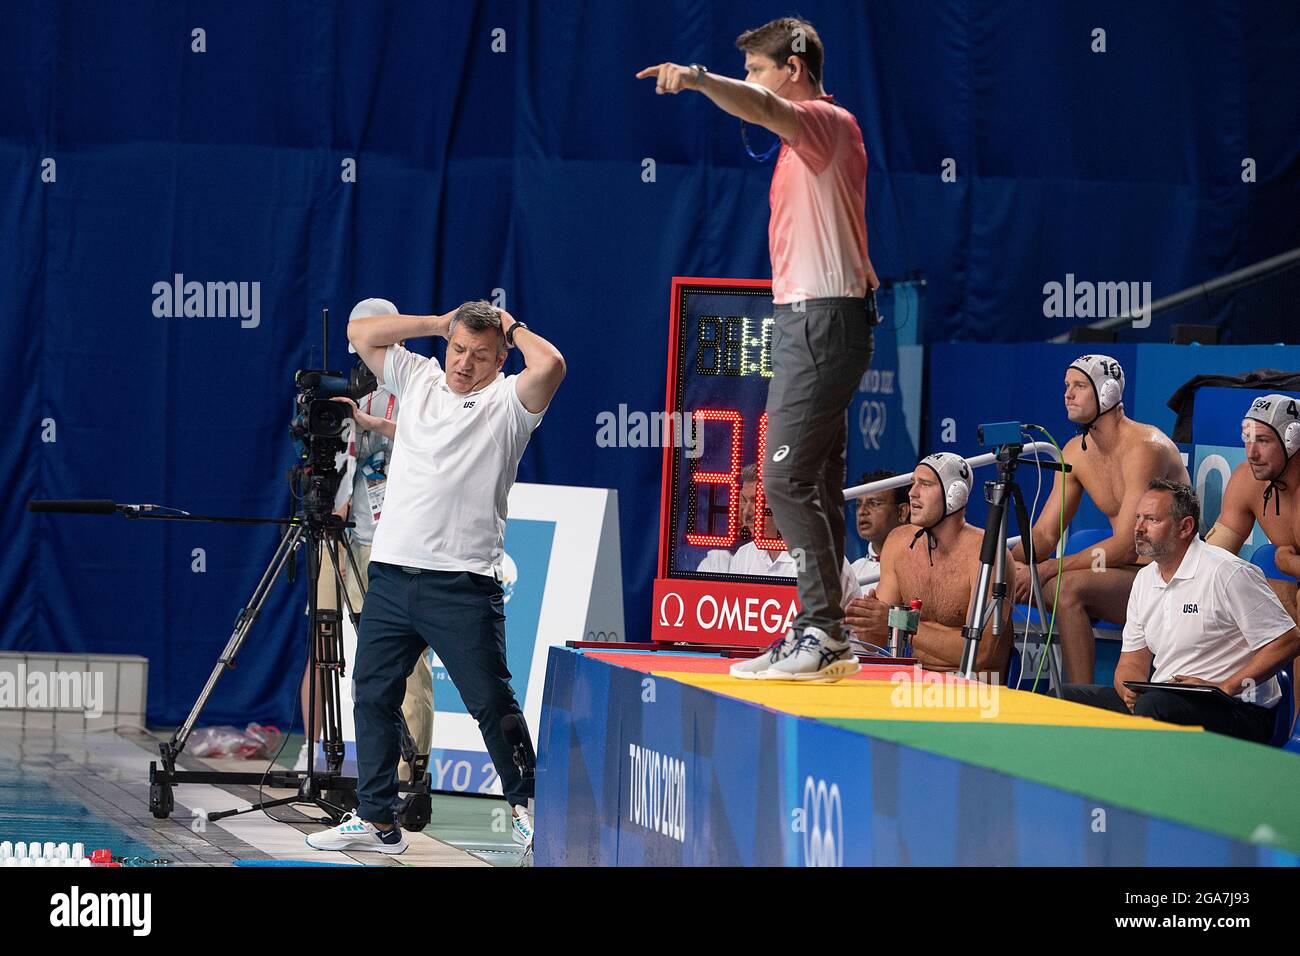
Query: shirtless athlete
x=1265, y=488
x=1112, y=461
x=938, y=564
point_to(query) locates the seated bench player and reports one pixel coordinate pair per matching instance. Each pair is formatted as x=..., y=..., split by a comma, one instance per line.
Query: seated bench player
x=1265, y=489
x=1112, y=461
x=941, y=570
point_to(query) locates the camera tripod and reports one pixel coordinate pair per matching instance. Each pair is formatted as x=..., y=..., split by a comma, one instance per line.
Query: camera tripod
x=325, y=788
x=1002, y=495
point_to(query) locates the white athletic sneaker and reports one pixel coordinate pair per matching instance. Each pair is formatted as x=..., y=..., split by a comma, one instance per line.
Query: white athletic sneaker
x=301, y=763
x=357, y=834
x=522, y=828
x=814, y=658
x=754, y=668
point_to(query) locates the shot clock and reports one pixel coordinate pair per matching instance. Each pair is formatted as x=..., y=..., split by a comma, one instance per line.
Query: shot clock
x=719, y=366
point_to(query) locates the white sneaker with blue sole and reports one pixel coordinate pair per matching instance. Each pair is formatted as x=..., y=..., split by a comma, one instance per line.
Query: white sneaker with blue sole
x=816, y=659
x=357, y=834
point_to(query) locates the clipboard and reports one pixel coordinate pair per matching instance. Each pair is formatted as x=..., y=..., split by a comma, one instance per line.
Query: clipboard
x=1196, y=690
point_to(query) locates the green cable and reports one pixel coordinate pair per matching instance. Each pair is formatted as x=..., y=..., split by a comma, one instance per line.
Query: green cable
x=1060, y=558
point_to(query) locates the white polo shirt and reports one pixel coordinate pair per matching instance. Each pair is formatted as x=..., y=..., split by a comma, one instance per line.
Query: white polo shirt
x=868, y=563
x=751, y=559
x=1208, y=620
x=454, y=460
x=717, y=561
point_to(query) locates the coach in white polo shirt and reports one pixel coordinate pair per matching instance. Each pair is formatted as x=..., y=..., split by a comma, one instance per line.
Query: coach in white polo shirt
x=1200, y=615
x=435, y=567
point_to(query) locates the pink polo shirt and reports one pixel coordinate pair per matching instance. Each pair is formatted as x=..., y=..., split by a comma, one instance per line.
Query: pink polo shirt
x=817, y=233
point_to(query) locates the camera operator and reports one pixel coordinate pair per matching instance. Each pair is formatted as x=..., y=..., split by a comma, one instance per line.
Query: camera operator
x=436, y=562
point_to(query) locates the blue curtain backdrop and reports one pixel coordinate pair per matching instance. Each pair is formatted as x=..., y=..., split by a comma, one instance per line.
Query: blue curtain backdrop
x=128, y=157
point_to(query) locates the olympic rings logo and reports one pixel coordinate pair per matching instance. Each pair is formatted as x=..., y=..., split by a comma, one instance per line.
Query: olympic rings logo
x=823, y=824
x=872, y=418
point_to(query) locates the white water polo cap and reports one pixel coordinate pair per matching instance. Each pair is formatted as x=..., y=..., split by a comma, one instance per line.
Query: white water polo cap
x=368, y=307
x=1107, y=378
x=1281, y=414
x=954, y=477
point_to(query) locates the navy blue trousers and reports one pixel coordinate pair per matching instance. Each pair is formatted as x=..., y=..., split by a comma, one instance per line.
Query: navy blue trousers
x=1235, y=718
x=462, y=617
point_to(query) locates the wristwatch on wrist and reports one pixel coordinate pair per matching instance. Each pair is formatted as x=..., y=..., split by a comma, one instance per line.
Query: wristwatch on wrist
x=700, y=72
x=510, y=333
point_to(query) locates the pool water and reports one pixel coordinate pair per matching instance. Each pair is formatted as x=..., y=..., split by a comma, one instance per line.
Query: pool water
x=32, y=810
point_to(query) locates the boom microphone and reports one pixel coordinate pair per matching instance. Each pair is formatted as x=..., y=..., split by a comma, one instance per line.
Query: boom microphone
x=89, y=506
x=75, y=506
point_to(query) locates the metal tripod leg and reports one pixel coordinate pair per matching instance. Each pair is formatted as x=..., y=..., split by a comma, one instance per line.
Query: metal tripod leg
x=334, y=810
x=991, y=586
x=325, y=655
x=243, y=623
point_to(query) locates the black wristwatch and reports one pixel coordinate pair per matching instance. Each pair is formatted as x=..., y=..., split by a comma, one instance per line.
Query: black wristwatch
x=510, y=333
x=700, y=72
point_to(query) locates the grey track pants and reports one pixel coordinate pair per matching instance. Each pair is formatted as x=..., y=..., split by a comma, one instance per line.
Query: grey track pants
x=820, y=350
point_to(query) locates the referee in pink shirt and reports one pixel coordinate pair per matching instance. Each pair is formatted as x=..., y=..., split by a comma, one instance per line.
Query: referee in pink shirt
x=822, y=340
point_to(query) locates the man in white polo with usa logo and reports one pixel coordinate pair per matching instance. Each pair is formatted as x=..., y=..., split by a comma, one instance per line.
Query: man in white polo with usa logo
x=1201, y=616
x=436, y=562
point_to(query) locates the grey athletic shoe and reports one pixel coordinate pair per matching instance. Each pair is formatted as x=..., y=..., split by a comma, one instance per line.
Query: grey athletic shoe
x=755, y=666
x=814, y=658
